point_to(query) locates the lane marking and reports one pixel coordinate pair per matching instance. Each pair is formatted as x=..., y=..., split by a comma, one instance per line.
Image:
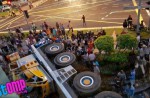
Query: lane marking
x=66, y=18
x=78, y=19
x=6, y=22
x=148, y=12
x=115, y=12
x=8, y=26
x=1, y=20
x=106, y=16
x=114, y=18
x=48, y=17
x=11, y=21
x=121, y=11
x=81, y=9
x=135, y=4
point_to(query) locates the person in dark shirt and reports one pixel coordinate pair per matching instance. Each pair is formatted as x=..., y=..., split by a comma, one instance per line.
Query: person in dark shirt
x=46, y=25
x=125, y=24
x=142, y=25
x=84, y=22
x=57, y=25
x=130, y=21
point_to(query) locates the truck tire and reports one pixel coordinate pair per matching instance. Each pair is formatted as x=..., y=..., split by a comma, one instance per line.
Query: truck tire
x=64, y=59
x=87, y=83
x=108, y=94
x=54, y=48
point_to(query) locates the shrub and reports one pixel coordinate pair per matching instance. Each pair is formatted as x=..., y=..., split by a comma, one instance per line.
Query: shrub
x=105, y=43
x=117, y=58
x=126, y=41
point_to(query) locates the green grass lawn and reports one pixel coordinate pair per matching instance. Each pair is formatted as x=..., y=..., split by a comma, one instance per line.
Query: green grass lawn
x=6, y=13
x=118, y=31
x=3, y=14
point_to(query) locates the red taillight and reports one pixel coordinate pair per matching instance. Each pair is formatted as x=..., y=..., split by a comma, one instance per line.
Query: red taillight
x=8, y=2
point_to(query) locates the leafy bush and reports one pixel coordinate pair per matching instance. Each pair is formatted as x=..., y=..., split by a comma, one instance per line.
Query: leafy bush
x=105, y=43
x=127, y=41
x=117, y=58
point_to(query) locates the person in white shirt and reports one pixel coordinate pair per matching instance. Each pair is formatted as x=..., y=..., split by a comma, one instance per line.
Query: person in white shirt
x=146, y=52
x=138, y=38
x=92, y=56
x=85, y=58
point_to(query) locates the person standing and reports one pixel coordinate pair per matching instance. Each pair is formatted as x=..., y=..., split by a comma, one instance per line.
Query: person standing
x=57, y=26
x=21, y=32
x=18, y=32
x=130, y=91
x=130, y=21
x=96, y=69
x=70, y=26
x=132, y=76
x=10, y=32
x=125, y=25
x=92, y=57
x=122, y=76
x=132, y=58
x=142, y=25
x=33, y=27
x=45, y=25
x=62, y=29
x=146, y=52
x=54, y=32
x=84, y=22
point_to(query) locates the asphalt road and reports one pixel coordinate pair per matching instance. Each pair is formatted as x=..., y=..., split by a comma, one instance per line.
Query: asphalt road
x=98, y=13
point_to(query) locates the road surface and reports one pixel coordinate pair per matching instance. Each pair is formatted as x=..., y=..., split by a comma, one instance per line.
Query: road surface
x=98, y=13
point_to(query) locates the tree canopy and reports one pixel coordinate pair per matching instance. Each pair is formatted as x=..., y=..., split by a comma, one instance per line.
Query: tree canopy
x=127, y=41
x=105, y=43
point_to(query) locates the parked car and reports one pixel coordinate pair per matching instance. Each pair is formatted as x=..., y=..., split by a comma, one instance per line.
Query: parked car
x=5, y=8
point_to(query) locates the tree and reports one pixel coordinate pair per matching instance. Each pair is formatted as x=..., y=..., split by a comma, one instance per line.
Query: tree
x=126, y=41
x=105, y=43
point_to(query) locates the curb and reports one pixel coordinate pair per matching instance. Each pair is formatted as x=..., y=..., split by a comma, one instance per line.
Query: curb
x=92, y=28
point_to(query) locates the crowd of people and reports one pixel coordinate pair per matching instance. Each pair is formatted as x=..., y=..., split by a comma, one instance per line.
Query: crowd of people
x=81, y=44
x=128, y=23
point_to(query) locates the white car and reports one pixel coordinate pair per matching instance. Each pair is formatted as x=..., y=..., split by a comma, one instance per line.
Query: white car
x=5, y=8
